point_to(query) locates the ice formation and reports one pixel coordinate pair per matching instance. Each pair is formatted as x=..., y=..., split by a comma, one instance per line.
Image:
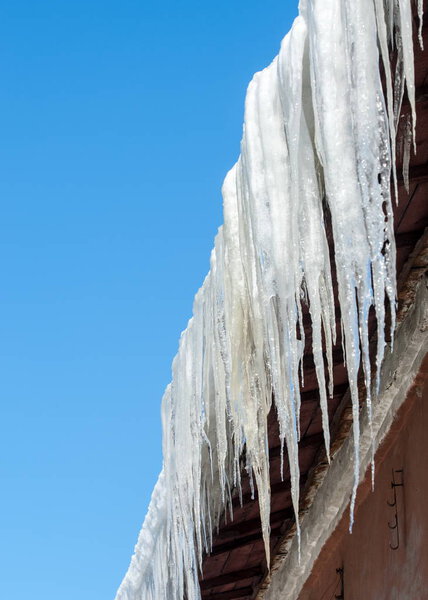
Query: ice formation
x=319, y=137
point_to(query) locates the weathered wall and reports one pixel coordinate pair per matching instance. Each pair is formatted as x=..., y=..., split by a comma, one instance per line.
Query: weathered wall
x=372, y=571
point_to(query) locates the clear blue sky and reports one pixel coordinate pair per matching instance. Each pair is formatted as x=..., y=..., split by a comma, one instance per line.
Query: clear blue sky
x=118, y=122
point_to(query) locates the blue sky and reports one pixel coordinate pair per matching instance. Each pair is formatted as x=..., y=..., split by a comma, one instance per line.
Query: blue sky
x=118, y=122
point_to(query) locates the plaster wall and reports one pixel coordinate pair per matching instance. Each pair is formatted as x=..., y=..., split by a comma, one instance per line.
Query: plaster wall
x=371, y=569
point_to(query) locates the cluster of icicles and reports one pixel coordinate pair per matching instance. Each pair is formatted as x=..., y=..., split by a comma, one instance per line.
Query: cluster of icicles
x=319, y=135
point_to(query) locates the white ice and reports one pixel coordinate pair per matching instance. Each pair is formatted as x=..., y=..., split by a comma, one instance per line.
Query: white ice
x=318, y=142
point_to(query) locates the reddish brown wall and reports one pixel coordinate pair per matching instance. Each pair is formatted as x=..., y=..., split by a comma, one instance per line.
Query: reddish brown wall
x=372, y=571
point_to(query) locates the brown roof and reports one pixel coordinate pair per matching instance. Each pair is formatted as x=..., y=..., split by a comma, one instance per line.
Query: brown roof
x=236, y=566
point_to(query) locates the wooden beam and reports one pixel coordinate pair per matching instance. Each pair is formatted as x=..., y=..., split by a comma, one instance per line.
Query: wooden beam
x=409, y=239
x=421, y=95
x=314, y=395
x=284, y=486
x=231, y=577
x=236, y=528
x=309, y=363
x=241, y=542
x=417, y=174
x=276, y=488
x=230, y=595
x=309, y=440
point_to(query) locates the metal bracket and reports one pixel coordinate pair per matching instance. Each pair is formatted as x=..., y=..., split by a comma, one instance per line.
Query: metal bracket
x=395, y=524
x=341, y=596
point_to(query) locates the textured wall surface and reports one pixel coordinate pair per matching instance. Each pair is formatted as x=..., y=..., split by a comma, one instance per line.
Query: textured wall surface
x=372, y=570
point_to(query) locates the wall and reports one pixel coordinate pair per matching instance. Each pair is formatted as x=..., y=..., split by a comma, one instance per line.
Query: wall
x=371, y=569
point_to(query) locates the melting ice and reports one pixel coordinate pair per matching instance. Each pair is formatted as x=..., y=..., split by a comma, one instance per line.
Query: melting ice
x=318, y=146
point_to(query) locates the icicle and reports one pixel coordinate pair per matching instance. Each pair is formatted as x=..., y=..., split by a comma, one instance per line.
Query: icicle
x=406, y=141
x=405, y=28
x=317, y=156
x=421, y=23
